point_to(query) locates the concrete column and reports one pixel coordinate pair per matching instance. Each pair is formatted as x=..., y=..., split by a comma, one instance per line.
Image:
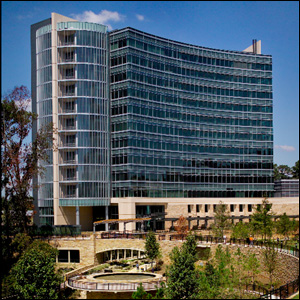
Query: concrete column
x=139, y=254
x=124, y=253
x=118, y=254
x=77, y=216
x=59, y=218
x=111, y=254
x=131, y=253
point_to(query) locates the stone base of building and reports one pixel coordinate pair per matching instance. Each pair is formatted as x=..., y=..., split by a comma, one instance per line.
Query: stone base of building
x=176, y=207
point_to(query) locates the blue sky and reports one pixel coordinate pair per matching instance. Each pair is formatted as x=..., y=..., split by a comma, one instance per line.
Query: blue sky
x=229, y=25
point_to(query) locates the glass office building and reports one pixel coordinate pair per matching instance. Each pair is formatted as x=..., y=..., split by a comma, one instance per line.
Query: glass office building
x=72, y=91
x=189, y=121
x=139, y=116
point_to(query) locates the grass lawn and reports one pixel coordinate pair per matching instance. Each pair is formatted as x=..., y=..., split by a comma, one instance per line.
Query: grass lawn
x=296, y=297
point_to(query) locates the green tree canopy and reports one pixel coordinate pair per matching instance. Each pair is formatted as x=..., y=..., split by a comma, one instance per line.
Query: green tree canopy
x=152, y=246
x=282, y=171
x=190, y=245
x=295, y=170
x=34, y=273
x=221, y=220
x=241, y=230
x=270, y=255
x=261, y=221
x=284, y=225
x=182, y=277
x=19, y=165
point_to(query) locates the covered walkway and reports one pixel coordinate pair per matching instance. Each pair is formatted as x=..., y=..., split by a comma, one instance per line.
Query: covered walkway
x=124, y=221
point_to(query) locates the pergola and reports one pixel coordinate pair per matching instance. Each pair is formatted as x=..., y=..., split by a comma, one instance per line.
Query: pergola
x=116, y=221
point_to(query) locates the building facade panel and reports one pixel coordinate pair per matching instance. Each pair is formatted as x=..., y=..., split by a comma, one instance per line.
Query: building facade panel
x=143, y=117
x=189, y=121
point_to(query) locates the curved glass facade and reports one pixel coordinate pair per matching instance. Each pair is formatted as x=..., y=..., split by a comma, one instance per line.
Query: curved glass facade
x=83, y=114
x=44, y=111
x=189, y=121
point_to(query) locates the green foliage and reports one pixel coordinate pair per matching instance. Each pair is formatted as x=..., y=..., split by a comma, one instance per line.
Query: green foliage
x=221, y=220
x=34, y=273
x=19, y=164
x=97, y=269
x=160, y=292
x=270, y=255
x=261, y=221
x=152, y=246
x=284, y=225
x=142, y=294
x=203, y=253
x=190, y=246
x=281, y=171
x=295, y=170
x=251, y=267
x=182, y=277
x=19, y=244
x=241, y=230
x=222, y=261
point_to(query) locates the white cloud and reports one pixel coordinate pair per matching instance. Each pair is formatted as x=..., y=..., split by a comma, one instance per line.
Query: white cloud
x=104, y=17
x=285, y=148
x=140, y=17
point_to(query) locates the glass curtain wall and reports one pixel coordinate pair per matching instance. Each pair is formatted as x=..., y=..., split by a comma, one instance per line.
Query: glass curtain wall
x=83, y=109
x=189, y=121
x=44, y=111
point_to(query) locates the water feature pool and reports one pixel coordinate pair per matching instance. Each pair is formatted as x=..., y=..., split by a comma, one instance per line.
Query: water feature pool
x=125, y=276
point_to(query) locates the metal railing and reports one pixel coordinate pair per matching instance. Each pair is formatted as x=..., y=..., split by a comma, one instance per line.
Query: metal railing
x=283, y=291
x=208, y=239
x=113, y=286
x=121, y=235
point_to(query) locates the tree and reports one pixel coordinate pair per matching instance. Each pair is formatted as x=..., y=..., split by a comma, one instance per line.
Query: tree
x=284, y=225
x=221, y=220
x=190, y=245
x=270, y=255
x=209, y=282
x=252, y=266
x=295, y=170
x=181, y=226
x=142, y=294
x=19, y=162
x=34, y=273
x=241, y=230
x=276, y=173
x=238, y=270
x=222, y=261
x=261, y=221
x=182, y=276
x=152, y=246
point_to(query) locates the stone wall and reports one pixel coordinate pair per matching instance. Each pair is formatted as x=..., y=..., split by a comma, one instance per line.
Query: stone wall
x=287, y=268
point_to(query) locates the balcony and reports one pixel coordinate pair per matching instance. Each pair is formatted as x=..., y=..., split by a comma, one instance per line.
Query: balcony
x=67, y=110
x=68, y=145
x=69, y=196
x=68, y=127
x=69, y=162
